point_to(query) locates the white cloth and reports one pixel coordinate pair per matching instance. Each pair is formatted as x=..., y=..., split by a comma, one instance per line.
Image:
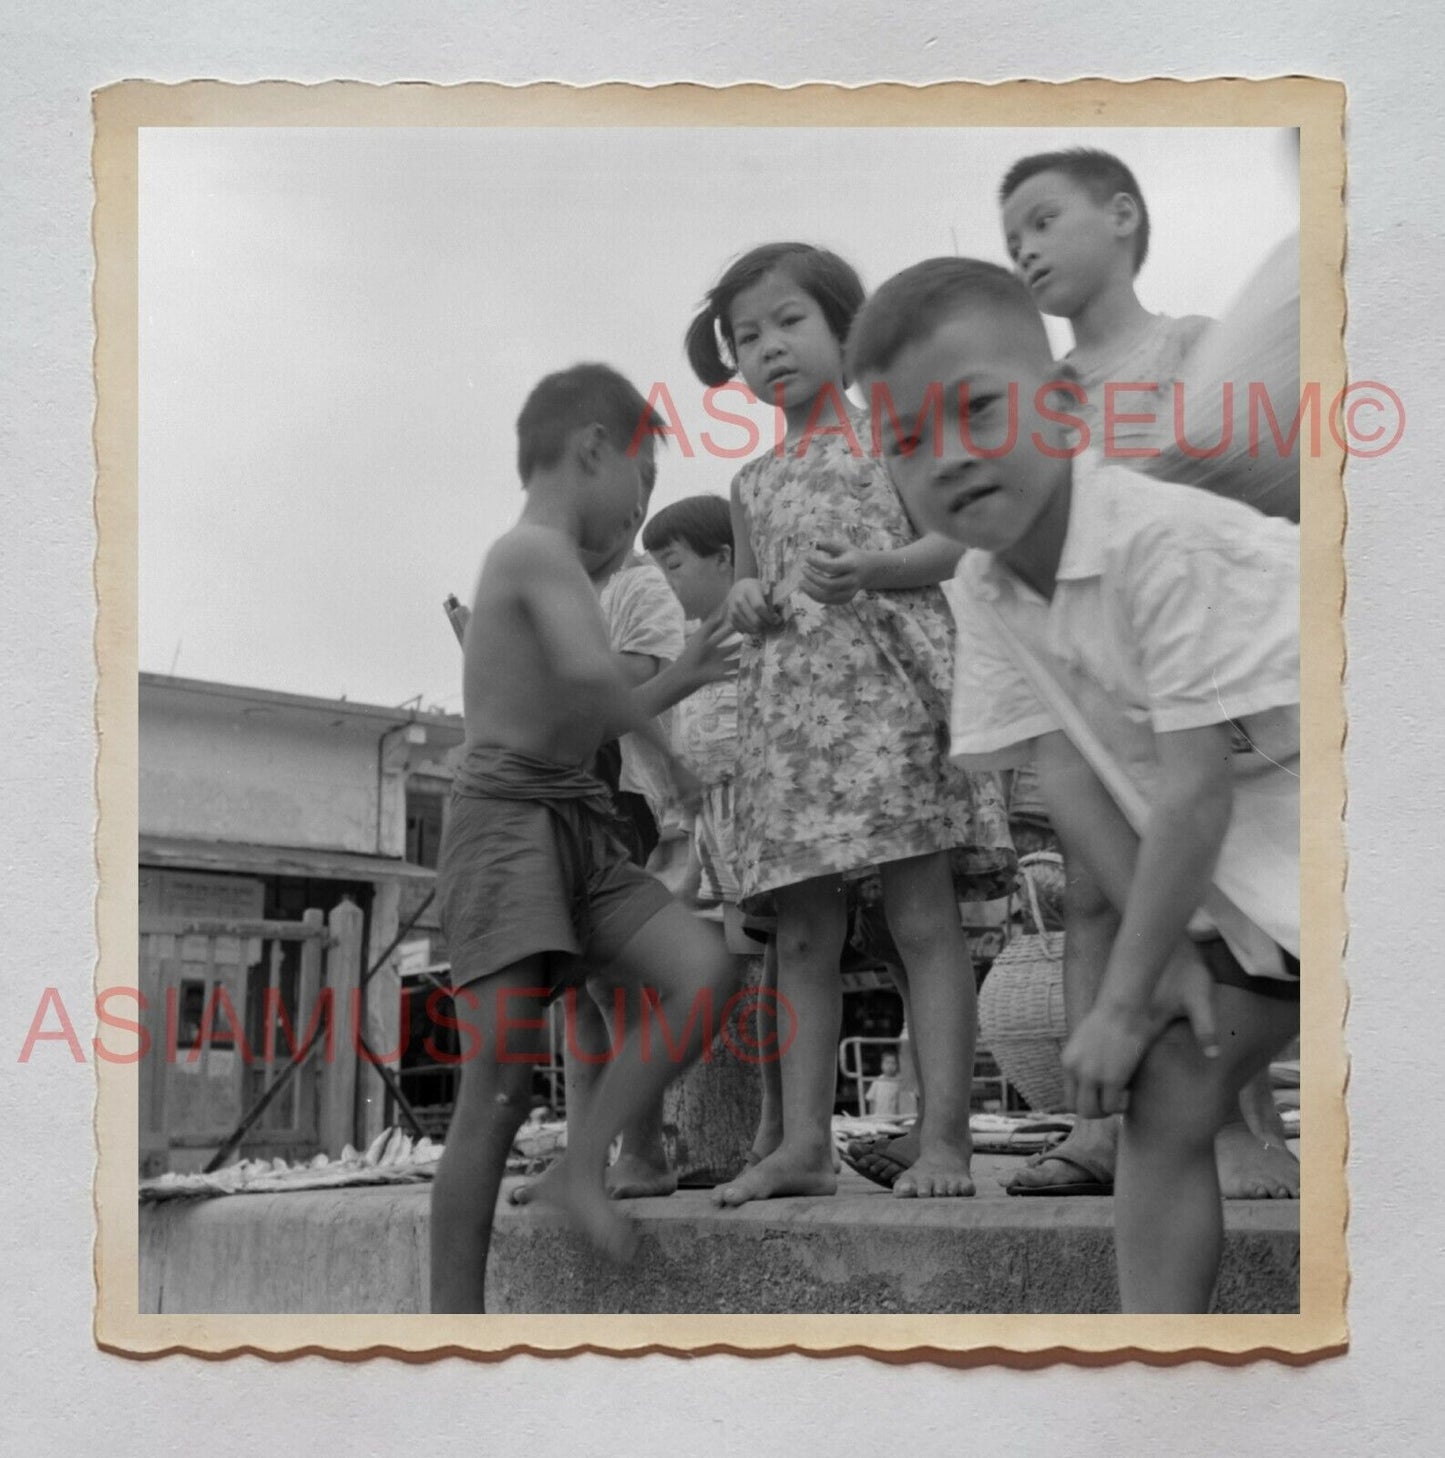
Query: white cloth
x=1173, y=609
x=644, y=617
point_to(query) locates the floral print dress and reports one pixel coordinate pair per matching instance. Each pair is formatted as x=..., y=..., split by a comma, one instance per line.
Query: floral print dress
x=843, y=710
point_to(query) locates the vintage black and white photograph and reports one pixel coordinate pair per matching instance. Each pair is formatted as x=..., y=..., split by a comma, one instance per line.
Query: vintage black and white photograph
x=718, y=724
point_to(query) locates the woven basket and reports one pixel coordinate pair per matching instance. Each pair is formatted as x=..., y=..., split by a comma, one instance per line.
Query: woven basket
x=1021, y=1005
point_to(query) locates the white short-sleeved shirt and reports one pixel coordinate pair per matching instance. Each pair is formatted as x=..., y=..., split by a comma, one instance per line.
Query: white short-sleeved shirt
x=644, y=616
x=1173, y=609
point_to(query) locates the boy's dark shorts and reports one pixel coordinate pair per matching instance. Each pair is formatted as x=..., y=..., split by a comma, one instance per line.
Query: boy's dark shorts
x=635, y=821
x=1226, y=970
x=522, y=877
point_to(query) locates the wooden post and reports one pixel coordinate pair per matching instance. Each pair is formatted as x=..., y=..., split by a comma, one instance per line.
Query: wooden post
x=308, y=989
x=338, y=1074
x=381, y=1020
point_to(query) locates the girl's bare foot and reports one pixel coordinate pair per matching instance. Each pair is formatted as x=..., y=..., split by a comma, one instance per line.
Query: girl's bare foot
x=633, y=1177
x=940, y=1174
x=585, y=1207
x=783, y=1172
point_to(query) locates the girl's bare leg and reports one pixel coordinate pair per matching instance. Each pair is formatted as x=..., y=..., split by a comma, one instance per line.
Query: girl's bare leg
x=770, y=1030
x=811, y=926
x=923, y=918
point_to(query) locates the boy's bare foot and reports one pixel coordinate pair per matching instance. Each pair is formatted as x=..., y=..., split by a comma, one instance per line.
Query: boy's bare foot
x=585, y=1207
x=940, y=1174
x=782, y=1173
x=1254, y=1169
x=632, y=1177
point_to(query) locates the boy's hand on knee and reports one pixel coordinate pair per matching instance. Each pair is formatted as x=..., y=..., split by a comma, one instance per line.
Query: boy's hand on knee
x=1100, y=1059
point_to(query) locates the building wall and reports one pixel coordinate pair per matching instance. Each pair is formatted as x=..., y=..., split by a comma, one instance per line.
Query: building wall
x=264, y=776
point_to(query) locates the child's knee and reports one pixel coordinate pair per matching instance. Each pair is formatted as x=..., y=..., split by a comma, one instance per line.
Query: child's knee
x=916, y=925
x=805, y=940
x=1176, y=1093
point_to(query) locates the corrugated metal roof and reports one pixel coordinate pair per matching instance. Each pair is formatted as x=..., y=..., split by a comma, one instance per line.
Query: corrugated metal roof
x=173, y=852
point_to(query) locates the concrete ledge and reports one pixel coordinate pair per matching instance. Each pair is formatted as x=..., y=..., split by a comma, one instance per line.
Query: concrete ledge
x=860, y=1252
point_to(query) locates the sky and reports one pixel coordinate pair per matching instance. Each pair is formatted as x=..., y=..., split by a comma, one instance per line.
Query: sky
x=338, y=328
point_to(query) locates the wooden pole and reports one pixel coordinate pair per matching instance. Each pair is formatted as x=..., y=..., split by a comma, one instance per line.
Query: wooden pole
x=337, y=1121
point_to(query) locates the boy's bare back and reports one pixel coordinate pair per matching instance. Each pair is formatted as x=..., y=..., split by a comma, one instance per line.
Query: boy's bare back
x=535, y=646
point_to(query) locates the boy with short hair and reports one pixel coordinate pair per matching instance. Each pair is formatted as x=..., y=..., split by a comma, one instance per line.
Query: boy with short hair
x=1167, y=621
x=532, y=877
x=1077, y=229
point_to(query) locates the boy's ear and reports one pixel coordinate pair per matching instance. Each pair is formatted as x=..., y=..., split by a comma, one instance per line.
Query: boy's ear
x=1124, y=207
x=589, y=443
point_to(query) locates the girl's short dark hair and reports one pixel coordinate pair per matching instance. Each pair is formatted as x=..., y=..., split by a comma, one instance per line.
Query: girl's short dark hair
x=912, y=304
x=826, y=278
x=569, y=400
x=703, y=523
x=1100, y=174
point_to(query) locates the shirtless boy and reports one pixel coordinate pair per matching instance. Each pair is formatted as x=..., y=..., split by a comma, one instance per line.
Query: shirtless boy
x=533, y=881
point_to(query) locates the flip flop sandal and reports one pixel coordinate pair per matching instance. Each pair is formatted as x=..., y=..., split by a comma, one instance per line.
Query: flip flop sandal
x=703, y=1179
x=875, y=1148
x=1097, y=1181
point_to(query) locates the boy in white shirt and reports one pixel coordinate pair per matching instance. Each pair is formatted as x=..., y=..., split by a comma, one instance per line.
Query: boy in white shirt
x=1169, y=617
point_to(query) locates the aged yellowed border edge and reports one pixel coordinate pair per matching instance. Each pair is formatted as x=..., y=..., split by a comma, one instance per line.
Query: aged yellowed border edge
x=1317, y=108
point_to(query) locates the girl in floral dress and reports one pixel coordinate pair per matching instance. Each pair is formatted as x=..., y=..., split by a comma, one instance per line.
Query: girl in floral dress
x=843, y=703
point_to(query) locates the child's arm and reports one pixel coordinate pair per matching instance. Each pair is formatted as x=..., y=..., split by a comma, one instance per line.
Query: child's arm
x=1156, y=882
x=638, y=668
x=836, y=572
x=561, y=603
x=706, y=658
x=748, y=608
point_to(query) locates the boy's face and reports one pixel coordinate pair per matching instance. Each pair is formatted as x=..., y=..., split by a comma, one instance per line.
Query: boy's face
x=972, y=386
x=617, y=498
x=1064, y=245
x=890, y=1065
x=699, y=583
